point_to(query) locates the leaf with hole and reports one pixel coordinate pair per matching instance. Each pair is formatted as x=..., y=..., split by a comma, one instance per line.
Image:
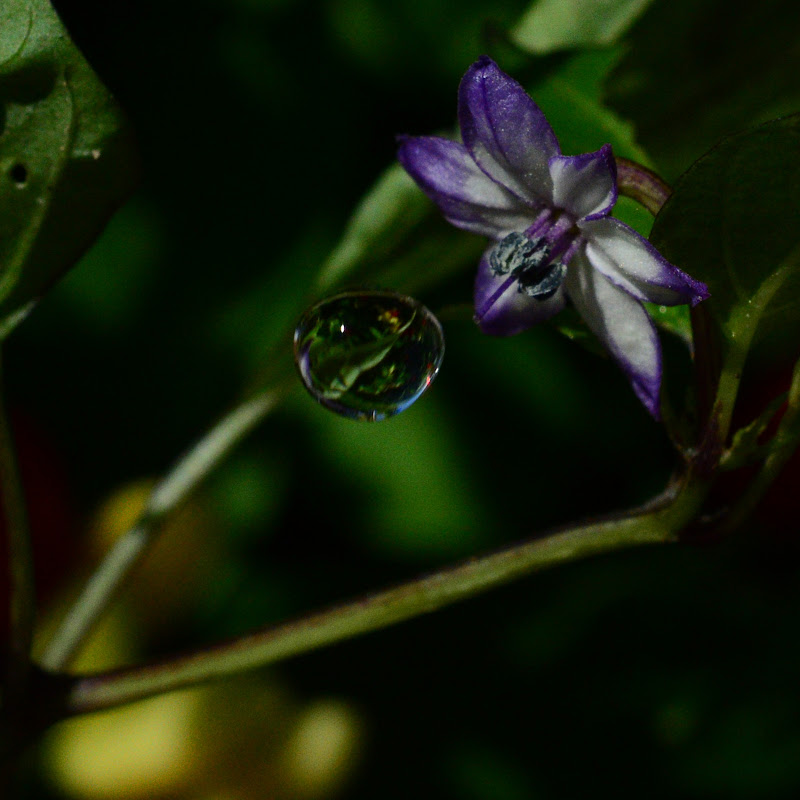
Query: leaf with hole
x=66, y=157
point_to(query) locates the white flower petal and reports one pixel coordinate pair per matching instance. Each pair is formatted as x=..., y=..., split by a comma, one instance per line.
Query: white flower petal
x=622, y=324
x=632, y=263
x=585, y=185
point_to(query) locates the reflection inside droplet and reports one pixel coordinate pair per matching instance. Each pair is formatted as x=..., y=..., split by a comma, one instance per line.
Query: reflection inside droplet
x=368, y=354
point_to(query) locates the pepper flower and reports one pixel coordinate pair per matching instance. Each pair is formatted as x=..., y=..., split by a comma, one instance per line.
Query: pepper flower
x=549, y=217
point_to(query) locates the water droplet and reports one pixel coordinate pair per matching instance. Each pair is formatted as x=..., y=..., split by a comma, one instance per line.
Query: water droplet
x=368, y=354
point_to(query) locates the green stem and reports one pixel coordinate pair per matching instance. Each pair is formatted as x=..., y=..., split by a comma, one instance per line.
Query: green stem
x=782, y=447
x=22, y=600
x=167, y=495
x=658, y=523
x=740, y=332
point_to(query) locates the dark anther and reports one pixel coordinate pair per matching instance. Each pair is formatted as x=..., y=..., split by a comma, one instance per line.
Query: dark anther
x=516, y=252
x=542, y=285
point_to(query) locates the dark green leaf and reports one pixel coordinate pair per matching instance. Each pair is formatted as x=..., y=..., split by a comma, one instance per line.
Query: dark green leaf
x=697, y=71
x=66, y=158
x=734, y=222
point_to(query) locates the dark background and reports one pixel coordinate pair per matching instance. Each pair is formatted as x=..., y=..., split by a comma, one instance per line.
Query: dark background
x=662, y=673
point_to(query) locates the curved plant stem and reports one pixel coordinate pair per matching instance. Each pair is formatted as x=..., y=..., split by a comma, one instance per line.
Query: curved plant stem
x=641, y=184
x=740, y=333
x=167, y=495
x=22, y=599
x=782, y=447
x=659, y=523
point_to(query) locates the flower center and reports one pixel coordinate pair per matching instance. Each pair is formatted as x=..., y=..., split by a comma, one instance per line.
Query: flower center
x=538, y=257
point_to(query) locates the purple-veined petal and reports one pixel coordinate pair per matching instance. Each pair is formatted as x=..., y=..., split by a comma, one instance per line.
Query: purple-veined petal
x=622, y=324
x=632, y=263
x=467, y=197
x=506, y=132
x=586, y=185
x=502, y=310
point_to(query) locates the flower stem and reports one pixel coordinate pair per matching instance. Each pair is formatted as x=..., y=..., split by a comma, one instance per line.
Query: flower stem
x=22, y=598
x=642, y=185
x=658, y=523
x=167, y=495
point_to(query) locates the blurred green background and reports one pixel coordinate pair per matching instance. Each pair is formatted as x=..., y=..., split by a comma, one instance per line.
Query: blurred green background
x=666, y=673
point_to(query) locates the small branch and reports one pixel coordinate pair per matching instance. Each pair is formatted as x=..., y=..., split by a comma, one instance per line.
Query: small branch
x=782, y=447
x=642, y=185
x=742, y=326
x=22, y=599
x=167, y=495
x=658, y=523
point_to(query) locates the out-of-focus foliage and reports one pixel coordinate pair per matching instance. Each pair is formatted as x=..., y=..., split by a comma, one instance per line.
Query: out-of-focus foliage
x=262, y=123
x=559, y=24
x=66, y=157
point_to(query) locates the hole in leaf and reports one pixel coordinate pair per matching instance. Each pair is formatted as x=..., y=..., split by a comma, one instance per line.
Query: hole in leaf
x=19, y=174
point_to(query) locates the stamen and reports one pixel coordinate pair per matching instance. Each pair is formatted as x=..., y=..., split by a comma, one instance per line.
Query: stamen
x=516, y=252
x=541, y=286
x=538, y=258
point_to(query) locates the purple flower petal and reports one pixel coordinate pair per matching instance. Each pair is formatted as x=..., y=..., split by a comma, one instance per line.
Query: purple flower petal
x=506, y=132
x=586, y=185
x=502, y=310
x=467, y=197
x=622, y=324
x=632, y=263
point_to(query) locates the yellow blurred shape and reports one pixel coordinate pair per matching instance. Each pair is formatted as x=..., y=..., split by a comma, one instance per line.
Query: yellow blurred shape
x=180, y=562
x=140, y=751
x=109, y=645
x=322, y=750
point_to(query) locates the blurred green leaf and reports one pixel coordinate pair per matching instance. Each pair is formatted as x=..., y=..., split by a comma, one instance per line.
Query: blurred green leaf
x=674, y=319
x=419, y=496
x=390, y=210
x=396, y=238
x=550, y=25
x=734, y=223
x=695, y=72
x=110, y=290
x=572, y=99
x=570, y=324
x=66, y=158
x=478, y=772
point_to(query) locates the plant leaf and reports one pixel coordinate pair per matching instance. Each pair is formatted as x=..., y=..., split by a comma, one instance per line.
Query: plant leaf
x=383, y=220
x=697, y=71
x=572, y=100
x=66, y=157
x=550, y=25
x=734, y=223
